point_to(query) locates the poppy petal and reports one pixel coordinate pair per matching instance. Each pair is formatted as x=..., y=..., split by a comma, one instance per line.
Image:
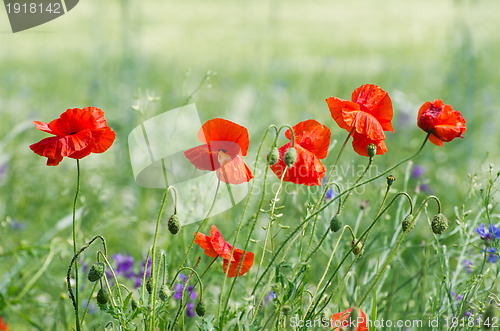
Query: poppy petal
x=203, y=158
x=365, y=124
x=360, y=142
x=307, y=169
x=219, y=129
x=233, y=267
x=42, y=126
x=338, y=107
x=204, y=241
x=342, y=319
x=219, y=245
x=75, y=142
x=102, y=139
x=435, y=140
x=376, y=102
x=313, y=136
x=234, y=171
x=73, y=121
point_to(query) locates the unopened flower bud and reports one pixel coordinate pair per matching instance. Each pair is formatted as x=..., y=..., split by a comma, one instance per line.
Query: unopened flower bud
x=174, y=224
x=335, y=223
x=390, y=180
x=96, y=271
x=406, y=223
x=274, y=156
x=200, y=309
x=358, y=249
x=371, y=149
x=164, y=293
x=439, y=224
x=102, y=297
x=290, y=157
x=149, y=285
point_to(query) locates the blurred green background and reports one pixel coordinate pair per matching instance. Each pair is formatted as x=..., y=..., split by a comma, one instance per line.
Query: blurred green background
x=276, y=63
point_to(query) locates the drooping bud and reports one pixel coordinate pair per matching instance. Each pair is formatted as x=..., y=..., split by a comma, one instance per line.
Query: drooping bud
x=200, y=309
x=164, y=293
x=405, y=224
x=96, y=271
x=371, y=149
x=149, y=285
x=102, y=297
x=286, y=309
x=290, y=157
x=174, y=224
x=335, y=223
x=274, y=156
x=390, y=180
x=358, y=249
x=439, y=224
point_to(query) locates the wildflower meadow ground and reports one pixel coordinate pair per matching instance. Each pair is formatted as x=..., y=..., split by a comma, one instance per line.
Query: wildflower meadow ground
x=251, y=166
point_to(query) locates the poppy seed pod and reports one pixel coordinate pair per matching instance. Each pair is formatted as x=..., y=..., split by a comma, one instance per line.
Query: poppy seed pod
x=290, y=157
x=149, y=285
x=371, y=149
x=406, y=223
x=96, y=271
x=390, y=180
x=164, y=293
x=439, y=224
x=335, y=223
x=358, y=249
x=274, y=156
x=174, y=224
x=200, y=309
x=102, y=297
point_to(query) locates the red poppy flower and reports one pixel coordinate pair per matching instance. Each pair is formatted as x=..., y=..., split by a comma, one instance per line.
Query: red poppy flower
x=343, y=319
x=3, y=325
x=215, y=246
x=78, y=132
x=311, y=143
x=444, y=123
x=369, y=112
x=225, y=145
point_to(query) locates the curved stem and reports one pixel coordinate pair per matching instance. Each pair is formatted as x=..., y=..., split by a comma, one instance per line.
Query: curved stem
x=76, y=306
x=114, y=277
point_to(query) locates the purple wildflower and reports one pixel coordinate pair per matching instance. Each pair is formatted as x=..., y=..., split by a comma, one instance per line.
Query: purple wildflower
x=492, y=234
x=178, y=288
x=189, y=309
x=492, y=255
x=467, y=266
x=124, y=265
x=417, y=171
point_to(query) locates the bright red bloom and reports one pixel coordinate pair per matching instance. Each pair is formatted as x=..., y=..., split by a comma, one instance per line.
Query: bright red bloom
x=444, y=123
x=369, y=112
x=78, y=132
x=342, y=319
x=311, y=143
x=3, y=325
x=225, y=145
x=215, y=246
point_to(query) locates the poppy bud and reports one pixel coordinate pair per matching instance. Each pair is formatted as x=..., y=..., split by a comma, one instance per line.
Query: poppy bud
x=274, y=156
x=353, y=316
x=102, y=297
x=358, y=249
x=406, y=223
x=439, y=224
x=335, y=223
x=96, y=271
x=290, y=157
x=174, y=224
x=286, y=309
x=371, y=149
x=149, y=285
x=200, y=309
x=164, y=293
x=390, y=180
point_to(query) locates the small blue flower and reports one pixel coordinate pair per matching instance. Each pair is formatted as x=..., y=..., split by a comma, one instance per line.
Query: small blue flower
x=491, y=254
x=417, y=171
x=492, y=234
x=178, y=288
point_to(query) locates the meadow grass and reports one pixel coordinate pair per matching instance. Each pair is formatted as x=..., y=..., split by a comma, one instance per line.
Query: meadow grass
x=275, y=62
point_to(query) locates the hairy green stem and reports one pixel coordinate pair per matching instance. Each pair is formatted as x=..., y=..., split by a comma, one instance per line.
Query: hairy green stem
x=76, y=306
